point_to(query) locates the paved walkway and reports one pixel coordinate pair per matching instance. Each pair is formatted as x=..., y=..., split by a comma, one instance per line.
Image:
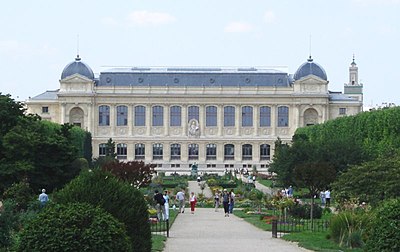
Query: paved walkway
x=207, y=230
x=193, y=186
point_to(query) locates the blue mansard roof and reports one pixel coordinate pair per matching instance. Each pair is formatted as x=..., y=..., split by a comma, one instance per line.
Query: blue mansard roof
x=193, y=76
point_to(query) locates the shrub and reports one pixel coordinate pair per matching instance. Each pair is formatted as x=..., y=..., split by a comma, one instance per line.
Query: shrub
x=74, y=227
x=384, y=233
x=123, y=201
x=348, y=228
x=304, y=211
x=21, y=194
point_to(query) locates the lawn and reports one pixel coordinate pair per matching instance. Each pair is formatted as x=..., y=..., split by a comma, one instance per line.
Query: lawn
x=157, y=242
x=316, y=241
x=265, y=182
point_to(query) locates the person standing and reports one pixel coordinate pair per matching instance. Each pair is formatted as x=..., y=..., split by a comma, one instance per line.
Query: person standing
x=193, y=201
x=322, y=196
x=180, y=197
x=231, y=201
x=225, y=202
x=328, y=198
x=216, y=200
x=166, y=205
x=160, y=204
x=43, y=198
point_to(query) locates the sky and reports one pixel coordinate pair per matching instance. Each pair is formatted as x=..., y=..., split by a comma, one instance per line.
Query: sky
x=39, y=38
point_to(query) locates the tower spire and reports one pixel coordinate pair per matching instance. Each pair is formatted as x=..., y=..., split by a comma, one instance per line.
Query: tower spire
x=77, y=49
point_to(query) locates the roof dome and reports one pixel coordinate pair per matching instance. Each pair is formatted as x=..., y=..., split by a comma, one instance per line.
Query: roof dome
x=77, y=67
x=308, y=68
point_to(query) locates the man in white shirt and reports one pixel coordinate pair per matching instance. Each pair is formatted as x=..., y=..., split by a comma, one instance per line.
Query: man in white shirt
x=328, y=198
x=180, y=196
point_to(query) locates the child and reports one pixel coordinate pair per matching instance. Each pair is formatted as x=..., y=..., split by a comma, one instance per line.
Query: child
x=193, y=201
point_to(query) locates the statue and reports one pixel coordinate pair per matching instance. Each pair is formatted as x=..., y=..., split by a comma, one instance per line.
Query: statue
x=194, y=128
x=194, y=169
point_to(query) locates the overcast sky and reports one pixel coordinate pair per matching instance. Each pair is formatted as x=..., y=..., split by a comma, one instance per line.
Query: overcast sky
x=39, y=38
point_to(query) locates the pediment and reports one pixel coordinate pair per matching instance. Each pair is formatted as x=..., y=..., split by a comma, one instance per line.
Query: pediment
x=76, y=78
x=312, y=79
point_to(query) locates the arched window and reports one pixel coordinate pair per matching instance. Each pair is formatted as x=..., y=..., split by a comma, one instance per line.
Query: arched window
x=283, y=116
x=229, y=116
x=157, y=151
x=122, y=151
x=140, y=116
x=247, y=152
x=247, y=116
x=158, y=116
x=139, y=151
x=122, y=115
x=175, y=151
x=265, y=116
x=229, y=152
x=102, y=149
x=104, y=115
x=193, y=113
x=211, y=152
x=193, y=150
x=211, y=116
x=265, y=152
x=175, y=116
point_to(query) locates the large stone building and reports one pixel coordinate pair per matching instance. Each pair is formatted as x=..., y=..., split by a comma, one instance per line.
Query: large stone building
x=220, y=118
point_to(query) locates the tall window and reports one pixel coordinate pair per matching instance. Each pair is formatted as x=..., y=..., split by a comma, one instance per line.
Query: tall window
x=175, y=116
x=211, y=152
x=102, y=149
x=342, y=111
x=193, y=113
x=229, y=116
x=211, y=116
x=247, y=116
x=140, y=116
x=193, y=150
x=283, y=116
x=175, y=151
x=122, y=151
x=265, y=116
x=157, y=151
x=158, y=116
x=265, y=151
x=139, y=151
x=229, y=152
x=247, y=152
x=122, y=115
x=104, y=115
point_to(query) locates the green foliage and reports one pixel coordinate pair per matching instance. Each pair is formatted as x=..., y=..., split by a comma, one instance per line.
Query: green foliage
x=21, y=194
x=10, y=112
x=348, y=228
x=371, y=181
x=303, y=211
x=74, y=227
x=8, y=223
x=120, y=199
x=384, y=233
x=137, y=173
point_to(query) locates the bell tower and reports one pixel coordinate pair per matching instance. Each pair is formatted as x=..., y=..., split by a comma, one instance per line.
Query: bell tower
x=353, y=88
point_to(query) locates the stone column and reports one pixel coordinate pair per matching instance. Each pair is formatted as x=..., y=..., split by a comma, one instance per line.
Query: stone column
x=184, y=120
x=166, y=120
x=220, y=119
x=274, y=119
x=256, y=119
x=238, y=119
x=148, y=119
x=112, y=119
x=202, y=119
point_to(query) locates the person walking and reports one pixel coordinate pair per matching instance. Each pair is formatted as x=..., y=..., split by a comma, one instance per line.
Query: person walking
x=216, y=200
x=166, y=205
x=328, y=198
x=225, y=202
x=43, y=198
x=160, y=205
x=231, y=201
x=193, y=201
x=180, y=197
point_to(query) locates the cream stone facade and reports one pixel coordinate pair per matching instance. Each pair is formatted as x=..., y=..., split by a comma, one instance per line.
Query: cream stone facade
x=220, y=118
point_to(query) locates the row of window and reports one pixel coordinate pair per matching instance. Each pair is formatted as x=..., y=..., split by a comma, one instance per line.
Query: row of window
x=193, y=151
x=175, y=116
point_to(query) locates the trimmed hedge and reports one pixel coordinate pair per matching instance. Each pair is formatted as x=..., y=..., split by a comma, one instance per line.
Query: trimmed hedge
x=74, y=227
x=120, y=199
x=304, y=211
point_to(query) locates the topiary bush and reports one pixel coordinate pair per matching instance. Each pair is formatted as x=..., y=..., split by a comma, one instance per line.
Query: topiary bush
x=120, y=199
x=304, y=211
x=73, y=227
x=384, y=232
x=21, y=194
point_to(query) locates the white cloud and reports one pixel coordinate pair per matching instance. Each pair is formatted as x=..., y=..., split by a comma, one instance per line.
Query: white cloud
x=269, y=17
x=150, y=18
x=238, y=27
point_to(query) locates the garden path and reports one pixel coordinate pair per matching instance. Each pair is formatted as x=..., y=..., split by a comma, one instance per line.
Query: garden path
x=193, y=186
x=207, y=230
